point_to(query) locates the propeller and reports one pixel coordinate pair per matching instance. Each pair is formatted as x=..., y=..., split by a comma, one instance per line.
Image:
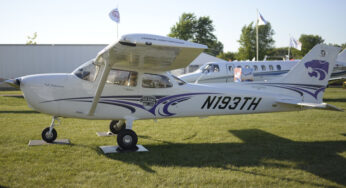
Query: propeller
x=12, y=82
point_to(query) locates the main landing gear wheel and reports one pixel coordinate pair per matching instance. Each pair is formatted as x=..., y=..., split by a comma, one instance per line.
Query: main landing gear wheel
x=117, y=126
x=127, y=139
x=49, y=136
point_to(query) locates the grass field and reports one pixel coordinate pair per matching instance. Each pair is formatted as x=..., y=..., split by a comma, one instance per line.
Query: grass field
x=293, y=149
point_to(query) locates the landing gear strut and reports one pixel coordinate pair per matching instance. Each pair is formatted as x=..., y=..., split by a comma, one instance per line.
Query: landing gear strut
x=127, y=138
x=49, y=134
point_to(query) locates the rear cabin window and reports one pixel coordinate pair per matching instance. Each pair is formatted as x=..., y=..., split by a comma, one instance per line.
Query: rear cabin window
x=230, y=68
x=122, y=78
x=255, y=67
x=278, y=67
x=271, y=67
x=247, y=66
x=156, y=81
x=263, y=67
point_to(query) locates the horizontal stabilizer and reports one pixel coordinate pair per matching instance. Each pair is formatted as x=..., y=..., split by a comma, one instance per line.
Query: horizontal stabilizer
x=322, y=106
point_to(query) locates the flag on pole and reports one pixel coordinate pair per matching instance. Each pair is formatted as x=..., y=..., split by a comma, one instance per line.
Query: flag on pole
x=295, y=44
x=114, y=15
x=261, y=20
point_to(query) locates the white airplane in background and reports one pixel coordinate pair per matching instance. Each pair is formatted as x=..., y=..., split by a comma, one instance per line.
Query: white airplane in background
x=223, y=71
x=128, y=81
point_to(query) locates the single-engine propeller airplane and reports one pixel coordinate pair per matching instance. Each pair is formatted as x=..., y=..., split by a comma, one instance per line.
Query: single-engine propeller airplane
x=128, y=80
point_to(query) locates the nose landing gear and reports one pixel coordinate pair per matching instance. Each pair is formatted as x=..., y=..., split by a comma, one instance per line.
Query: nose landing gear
x=49, y=134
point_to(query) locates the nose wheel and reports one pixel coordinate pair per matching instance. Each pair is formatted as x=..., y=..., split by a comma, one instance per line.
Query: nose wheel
x=49, y=134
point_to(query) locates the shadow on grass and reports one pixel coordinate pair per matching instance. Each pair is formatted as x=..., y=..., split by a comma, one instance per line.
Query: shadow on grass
x=334, y=100
x=14, y=96
x=258, y=147
x=19, y=112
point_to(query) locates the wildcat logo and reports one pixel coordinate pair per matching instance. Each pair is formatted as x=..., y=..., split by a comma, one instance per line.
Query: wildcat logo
x=317, y=68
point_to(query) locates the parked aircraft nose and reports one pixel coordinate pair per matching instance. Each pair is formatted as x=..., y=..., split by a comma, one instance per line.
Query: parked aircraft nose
x=14, y=82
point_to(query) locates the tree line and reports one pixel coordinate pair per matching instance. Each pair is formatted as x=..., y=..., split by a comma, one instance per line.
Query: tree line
x=200, y=30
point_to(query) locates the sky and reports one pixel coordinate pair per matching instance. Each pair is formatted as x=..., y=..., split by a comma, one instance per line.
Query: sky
x=87, y=21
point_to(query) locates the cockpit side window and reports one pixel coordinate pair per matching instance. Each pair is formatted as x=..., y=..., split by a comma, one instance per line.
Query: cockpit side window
x=87, y=71
x=211, y=68
x=122, y=78
x=155, y=81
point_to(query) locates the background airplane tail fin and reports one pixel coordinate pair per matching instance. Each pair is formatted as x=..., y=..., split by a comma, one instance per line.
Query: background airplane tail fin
x=310, y=76
x=342, y=57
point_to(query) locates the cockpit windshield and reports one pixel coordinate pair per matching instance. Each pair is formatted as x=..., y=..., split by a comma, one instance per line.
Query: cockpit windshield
x=88, y=71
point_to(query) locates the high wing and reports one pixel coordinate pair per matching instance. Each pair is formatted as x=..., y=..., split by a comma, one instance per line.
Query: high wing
x=144, y=52
x=149, y=52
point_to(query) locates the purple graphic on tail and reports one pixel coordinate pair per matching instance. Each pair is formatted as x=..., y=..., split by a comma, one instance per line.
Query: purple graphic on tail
x=317, y=68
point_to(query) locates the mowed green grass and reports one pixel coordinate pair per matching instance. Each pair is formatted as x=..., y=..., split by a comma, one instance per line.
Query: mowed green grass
x=293, y=149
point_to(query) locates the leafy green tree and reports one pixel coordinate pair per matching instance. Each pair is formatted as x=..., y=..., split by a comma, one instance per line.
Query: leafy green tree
x=343, y=46
x=228, y=56
x=247, y=41
x=308, y=42
x=280, y=53
x=185, y=28
x=199, y=30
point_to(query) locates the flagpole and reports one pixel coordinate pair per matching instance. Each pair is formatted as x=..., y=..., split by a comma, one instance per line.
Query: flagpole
x=117, y=31
x=289, y=47
x=257, y=36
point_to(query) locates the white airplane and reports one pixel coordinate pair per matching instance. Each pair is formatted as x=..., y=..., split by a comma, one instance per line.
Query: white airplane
x=127, y=81
x=223, y=71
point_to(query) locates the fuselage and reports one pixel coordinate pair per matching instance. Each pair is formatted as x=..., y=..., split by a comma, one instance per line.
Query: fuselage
x=67, y=95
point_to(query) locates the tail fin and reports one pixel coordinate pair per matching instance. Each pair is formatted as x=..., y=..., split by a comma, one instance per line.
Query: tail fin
x=310, y=76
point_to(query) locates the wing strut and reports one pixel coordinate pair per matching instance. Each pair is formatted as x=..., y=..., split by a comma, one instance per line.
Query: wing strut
x=100, y=87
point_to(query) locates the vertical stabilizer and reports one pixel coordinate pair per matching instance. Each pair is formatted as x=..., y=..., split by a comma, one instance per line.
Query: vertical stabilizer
x=310, y=76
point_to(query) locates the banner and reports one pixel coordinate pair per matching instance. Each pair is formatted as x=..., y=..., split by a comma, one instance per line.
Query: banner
x=261, y=20
x=114, y=15
x=295, y=44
